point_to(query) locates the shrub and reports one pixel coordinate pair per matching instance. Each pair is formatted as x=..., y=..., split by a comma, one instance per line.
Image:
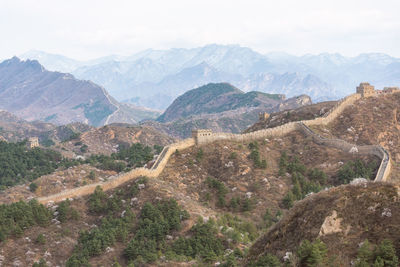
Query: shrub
x=40, y=239
x=16, y=217
x=312, y=254
x=255, y=156
x=96, y=240
x=382, y=255
x=356, y=169
x=156, y=221
x=267, y=260
x=288, y=200
x=220, y=189
x=84, y=148
x=40, y=263
x=20, y=164
x=92, y=175
x=283, y=163
x=233, y=155
x=66, y=212
x=199, y=155
x=33, y=187
x=202, y=243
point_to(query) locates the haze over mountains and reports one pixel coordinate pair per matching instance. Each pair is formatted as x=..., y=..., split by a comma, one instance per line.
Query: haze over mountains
x=31, y=92
x=154, y=78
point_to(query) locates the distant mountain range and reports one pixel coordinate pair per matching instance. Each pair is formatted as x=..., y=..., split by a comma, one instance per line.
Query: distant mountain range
x=31, y=92
x=154, y=78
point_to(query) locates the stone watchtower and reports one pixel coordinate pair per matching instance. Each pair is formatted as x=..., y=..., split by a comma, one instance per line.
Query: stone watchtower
x=201, y=133
x=365, y=90
x=263, y=116
x=33, y=142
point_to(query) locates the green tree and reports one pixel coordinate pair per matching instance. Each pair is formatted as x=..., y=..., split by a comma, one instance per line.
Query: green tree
x=33, y=187
x=312, y=254
x=288, y=200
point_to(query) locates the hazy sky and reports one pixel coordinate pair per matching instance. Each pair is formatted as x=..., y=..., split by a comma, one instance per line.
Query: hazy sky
x=85, y=29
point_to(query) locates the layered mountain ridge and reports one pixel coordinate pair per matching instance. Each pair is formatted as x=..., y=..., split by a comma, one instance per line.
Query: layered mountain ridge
x=31, y=92
x=154, y=78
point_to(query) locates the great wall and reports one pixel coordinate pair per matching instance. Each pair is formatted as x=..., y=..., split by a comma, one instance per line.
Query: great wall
x=202, y=137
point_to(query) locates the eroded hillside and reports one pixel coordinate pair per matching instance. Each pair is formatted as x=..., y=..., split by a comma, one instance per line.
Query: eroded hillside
x=343, y=218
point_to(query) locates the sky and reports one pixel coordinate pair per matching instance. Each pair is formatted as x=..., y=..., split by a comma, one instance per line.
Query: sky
x=86, y=29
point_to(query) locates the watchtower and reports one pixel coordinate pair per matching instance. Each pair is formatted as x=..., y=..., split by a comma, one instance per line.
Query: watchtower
x=201, y=133
x=366, y=90
x=263, y=116
x=33, y=142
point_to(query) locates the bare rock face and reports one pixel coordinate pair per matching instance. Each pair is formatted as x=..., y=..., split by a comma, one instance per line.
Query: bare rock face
x=31, y=92
x=332, y=224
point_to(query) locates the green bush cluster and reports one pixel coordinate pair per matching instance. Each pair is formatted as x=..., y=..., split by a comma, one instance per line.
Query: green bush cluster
x=155, y=222
x=66, y=212
x=241, y=204
x=16, y=217
x=308, y=254
x=304, y=180
x=40, y=263
x=235, y=203
x=20, y=164
x=95, y=241
x=40, y=239
x=381, y=255
x=266, y=260
x=199, y=155
x=100, y=203
x=312, y=254
x=269, y=219
x=107, y=163
x=236, y=229
x=220, y=189
x=136, y=155
x=255, y=156
x=203, y=242
x=356, y=169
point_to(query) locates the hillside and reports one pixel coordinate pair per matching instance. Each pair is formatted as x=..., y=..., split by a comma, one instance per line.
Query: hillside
x=239, y=203
x=219, y=181
x=307, y=112
x=215, y=98
x=107, y=139
x=343, y=218
x=372, y=120
x=14, y=129
x=220, y=107
x=33, y=93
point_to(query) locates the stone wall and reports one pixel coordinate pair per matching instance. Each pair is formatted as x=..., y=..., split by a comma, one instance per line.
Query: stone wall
x=278, y=131
x=123, y=177
x=380, y=152
x=282, y=129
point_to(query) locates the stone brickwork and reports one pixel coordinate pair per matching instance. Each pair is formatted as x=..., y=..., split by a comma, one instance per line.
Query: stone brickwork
x=365, y=90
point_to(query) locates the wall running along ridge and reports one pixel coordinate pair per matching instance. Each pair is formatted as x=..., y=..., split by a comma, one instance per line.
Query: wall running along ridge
x=303, y=126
